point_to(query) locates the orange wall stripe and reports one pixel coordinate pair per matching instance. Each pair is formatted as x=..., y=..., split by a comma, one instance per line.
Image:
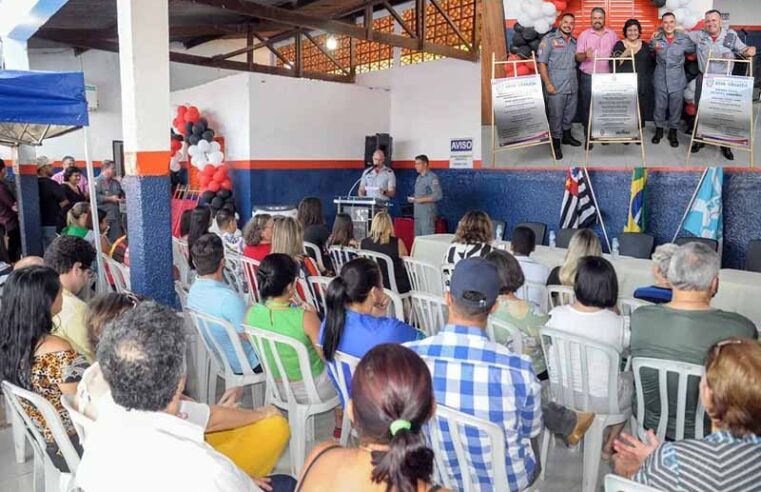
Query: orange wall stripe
x=27, y=169
x=147, y=163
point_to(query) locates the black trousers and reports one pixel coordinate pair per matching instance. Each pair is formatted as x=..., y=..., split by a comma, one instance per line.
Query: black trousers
x=585, y=99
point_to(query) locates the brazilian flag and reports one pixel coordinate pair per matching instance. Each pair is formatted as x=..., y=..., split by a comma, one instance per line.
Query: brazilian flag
x=636, y=221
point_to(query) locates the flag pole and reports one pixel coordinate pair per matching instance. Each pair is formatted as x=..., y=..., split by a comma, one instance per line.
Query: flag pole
x=597, y=209
x=689, y=205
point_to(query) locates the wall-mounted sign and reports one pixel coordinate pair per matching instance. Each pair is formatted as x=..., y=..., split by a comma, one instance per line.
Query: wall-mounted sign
x=461, y=153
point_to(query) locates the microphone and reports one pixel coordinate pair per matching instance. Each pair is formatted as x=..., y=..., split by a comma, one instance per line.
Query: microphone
x=355, y=184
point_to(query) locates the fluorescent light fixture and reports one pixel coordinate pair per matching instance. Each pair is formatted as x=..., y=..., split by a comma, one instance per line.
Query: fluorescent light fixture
x=331, y=43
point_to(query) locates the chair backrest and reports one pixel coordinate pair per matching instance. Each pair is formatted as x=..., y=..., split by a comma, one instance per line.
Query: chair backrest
x=180, y=257
x=559, y=295
x=711, y=243
x=636, y=244
x=385, y=263
x=683, y=371
x=342, y=369
x=396, y=306
x=424, y=276
x=446, y=275
x=509, y=334
x=564, y=236
x=627, y=305
x=212, y=331
x=753, y=256
x=533, y=291
x=249, y=267
x=561, y=366
x=430, y=312
x=319, y=288
x=614, y=483
x=182, y=294
x=499, y=229
x=266, y=344
x=314, y=252
x=458, y=471
x=233, y=273
x=539, y=228
x=14, y=394
x=82, y=423
x=341, y=255
x=119, y=273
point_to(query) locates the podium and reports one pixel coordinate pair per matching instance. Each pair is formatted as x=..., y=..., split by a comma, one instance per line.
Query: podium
x=361, y=209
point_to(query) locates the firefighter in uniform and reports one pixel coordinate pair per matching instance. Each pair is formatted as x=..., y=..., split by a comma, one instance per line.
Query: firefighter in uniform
x=427, y=193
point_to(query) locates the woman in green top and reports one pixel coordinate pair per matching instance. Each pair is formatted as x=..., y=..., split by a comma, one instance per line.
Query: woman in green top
x=523, y=315
x=276, y=277
x=77, y=220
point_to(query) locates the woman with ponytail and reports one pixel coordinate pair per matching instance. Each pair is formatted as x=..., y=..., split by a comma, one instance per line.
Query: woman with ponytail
x=356, y=318
x=392, y=400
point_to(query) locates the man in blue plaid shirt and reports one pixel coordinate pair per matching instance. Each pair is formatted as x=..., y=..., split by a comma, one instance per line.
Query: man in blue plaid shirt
x=484, y=379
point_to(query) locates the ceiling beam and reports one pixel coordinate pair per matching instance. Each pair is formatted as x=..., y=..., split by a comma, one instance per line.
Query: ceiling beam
x=186, y=58
x=298, y=19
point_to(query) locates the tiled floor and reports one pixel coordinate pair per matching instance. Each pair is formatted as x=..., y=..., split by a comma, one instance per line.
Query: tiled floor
x=563, y=474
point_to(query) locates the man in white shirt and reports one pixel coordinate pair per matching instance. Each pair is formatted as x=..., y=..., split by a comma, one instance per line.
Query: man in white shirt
x=522, y=245
x=140, y=442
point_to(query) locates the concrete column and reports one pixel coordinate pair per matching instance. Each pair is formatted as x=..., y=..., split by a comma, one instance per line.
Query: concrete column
x=144, y=70
x=28, y=194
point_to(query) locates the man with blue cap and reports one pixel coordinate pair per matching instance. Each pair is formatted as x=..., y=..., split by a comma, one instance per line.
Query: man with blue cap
x=482, y=378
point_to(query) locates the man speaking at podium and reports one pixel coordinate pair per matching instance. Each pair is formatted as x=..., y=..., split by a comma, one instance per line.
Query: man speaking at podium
x=378, y=181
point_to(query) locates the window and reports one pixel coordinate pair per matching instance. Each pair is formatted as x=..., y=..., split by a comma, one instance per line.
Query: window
x=438, y=31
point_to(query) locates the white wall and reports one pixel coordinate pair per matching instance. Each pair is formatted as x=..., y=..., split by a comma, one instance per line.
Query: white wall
x=741, y=12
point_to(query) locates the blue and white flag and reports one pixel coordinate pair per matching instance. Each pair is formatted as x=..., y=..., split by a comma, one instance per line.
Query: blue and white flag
x=705, y=216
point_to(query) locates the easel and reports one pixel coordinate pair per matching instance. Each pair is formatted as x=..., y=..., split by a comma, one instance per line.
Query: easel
x=641, y=140
x=494, y=146
x=718, y=143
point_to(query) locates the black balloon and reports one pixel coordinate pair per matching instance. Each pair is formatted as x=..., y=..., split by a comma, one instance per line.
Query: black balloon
x=518, y=28
x=518, y=39
x=534, y=45
x=230, y=199
x=524, y=52
x=198, y=129
x=217, y=203
x=189, y=127
x=514, y=49
x=530, y=34
x=230, y=207
x=207, y=196
x=659, y=3
x=204, y=123
x=224, y=194
x=208, y=135
x=692, y=67
x=194, y=139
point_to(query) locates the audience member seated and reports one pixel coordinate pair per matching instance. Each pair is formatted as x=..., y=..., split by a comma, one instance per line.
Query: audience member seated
x=518, y=407
x=583, y=243
x=200, y=219
x=522, y=244
x=185, y=224
x=28, y=261
x=683, y=329
x=79, y=223
x=72, y=257
x=30, y=356
x=392, y=400
x=592, y=317
x=276, y=277
x=356, y=318
x=257, y=236
x=382, y=240
x=343, y=232
x=142, y=440
x=522, y=314
x=228, y=230
x=313, y=223
x=288, y=239
x=660, y=292
x=473, y=237
x=727, y=459
x=71, y=178
x=210, y=295
x=252, y=439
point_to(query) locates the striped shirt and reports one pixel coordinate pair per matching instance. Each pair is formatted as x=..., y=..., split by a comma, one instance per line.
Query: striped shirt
x=720, y=462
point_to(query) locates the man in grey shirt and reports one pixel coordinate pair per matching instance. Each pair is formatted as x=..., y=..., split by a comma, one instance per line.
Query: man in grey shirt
x=427, y=193
x=109, y=194
x=683, y=330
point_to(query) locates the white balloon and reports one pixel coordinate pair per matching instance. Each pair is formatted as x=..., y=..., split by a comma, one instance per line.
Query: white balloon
x=525, y=20
x=672, y=5
x=534, y=11
x=204, y=146
x=549, y=9
x=215, y=147
x=681, y=15
x=685, y=3
x=199, y=161
x=193, y=150
x=662, y=11
x=174, y=163
x=542, y=26
x=216, y=158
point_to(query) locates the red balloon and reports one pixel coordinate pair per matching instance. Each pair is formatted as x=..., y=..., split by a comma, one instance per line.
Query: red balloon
x=561, y=5
x=181, y=110
x=690, y=109
x=209, y=170
x=219, y=176
x=175, y=145
x=192, y=115
x=204, y=180
x=213, y=186
x=691, y=57
x=523, y=69
x=227, y=184
x=700, y=25
x=222, y=169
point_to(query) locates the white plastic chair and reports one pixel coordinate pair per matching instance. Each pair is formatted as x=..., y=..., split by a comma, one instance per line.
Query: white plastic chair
x=180, y=259
x=249, y=266
x=82, y=423
x=233, y=273
x=430, y=312
x=456, y=422
x=338, y=369
x=564, y=393
x=341, y=255
x=627, y=305
x=514, y=336
x=559, y=295
x=300, y=415
x=386, y=264
x=534, y=292
x=119, y=273
x=319, y=287
x=54, y=479
x=220, y=363
x=396, y=306
x=424, y=277
x=446, y=275
x=683, y=371
x=614, y=483
x=314, y=252
x=198, y=359
x=18, y=431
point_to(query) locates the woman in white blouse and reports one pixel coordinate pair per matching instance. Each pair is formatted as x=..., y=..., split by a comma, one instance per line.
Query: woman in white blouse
x=593, y=316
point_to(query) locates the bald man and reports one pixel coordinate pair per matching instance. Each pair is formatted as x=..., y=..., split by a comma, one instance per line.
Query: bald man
x=378, y=181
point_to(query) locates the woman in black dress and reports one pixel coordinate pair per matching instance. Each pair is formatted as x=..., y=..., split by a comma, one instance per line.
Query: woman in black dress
x=71, y=178
x=644, y=62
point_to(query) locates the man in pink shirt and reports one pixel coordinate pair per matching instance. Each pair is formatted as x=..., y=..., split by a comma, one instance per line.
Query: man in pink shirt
x=597, y=41
x=66, y=162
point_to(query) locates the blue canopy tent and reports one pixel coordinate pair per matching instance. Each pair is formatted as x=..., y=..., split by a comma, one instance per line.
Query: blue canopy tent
x=35, y=106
